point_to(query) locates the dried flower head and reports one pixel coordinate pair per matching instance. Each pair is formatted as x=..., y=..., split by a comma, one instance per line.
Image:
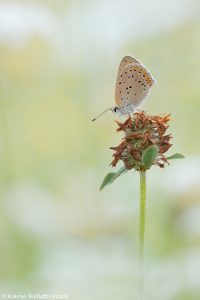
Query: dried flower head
x=144, y=142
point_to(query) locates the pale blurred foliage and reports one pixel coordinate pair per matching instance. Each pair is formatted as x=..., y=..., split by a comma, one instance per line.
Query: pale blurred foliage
x=58, y=63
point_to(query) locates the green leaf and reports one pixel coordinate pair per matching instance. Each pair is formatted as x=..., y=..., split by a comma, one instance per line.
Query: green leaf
x=149, y=156
x=175, y=156
x=110, y=177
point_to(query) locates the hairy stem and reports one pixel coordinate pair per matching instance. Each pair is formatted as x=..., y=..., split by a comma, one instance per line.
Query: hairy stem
x=142, y=230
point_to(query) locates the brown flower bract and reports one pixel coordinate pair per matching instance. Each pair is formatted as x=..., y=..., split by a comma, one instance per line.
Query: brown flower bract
x=141, y=131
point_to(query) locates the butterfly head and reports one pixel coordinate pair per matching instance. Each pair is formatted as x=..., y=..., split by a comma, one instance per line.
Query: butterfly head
x=115, y=110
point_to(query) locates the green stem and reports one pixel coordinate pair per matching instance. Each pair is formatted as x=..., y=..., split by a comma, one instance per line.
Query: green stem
x=142, y=229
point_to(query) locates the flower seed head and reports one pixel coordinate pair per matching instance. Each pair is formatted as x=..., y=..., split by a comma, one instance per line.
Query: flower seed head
x=143, y=136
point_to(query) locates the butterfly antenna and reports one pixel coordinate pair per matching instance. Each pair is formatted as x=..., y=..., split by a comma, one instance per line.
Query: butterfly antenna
x=101, y=114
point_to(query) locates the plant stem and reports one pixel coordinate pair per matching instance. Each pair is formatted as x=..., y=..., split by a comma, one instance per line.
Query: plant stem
x=142, y=230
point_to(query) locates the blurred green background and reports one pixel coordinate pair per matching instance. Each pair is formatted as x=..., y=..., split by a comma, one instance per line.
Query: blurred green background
x=58, y=66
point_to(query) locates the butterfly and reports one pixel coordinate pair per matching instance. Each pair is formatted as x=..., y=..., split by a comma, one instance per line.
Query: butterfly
x=133, y=85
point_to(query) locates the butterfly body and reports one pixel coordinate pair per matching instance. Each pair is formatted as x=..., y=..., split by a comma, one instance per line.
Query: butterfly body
x=125, y=110
x=133, y=85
